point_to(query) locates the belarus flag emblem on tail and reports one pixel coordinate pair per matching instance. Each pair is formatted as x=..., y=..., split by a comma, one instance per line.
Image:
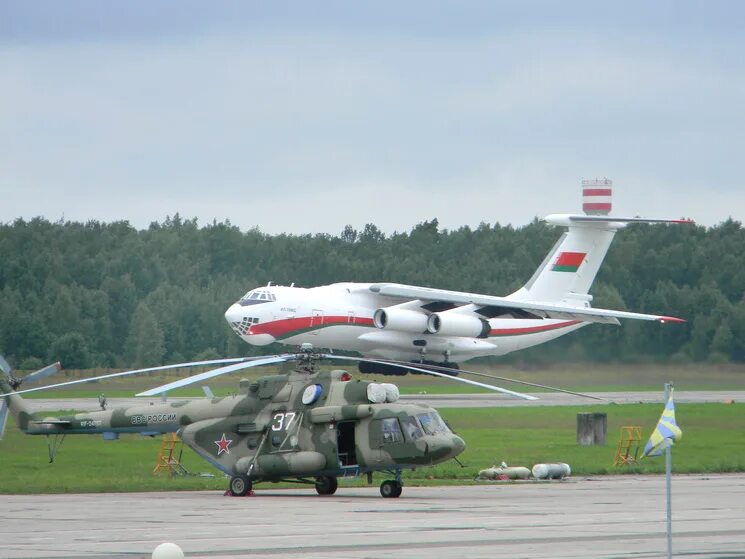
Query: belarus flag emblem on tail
x=568, y=261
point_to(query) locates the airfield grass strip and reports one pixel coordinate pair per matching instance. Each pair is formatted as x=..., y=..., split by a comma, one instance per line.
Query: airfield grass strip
x=713, y=441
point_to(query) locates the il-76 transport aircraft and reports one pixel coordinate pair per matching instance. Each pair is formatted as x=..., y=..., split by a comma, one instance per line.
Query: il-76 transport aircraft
x=409, y=323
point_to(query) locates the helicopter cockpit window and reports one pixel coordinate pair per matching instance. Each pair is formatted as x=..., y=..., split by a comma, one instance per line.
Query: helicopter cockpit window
x=392, y=431
x=432, y=423
x=256, y=297
x=412, y=429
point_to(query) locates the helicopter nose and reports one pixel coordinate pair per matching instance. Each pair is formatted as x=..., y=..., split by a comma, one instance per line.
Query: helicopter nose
x=459, y=445
x=444, y=448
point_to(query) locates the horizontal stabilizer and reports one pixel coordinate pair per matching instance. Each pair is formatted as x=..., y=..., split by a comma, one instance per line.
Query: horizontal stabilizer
x=569, y=219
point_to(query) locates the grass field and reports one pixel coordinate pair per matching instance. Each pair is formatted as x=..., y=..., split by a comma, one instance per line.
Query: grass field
x=713, y=441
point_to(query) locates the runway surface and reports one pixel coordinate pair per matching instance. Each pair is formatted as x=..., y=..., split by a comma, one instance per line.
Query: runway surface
x=602, y=517
x=457, y=400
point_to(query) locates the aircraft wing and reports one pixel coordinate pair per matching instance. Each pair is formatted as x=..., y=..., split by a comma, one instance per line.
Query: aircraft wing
x=525, y=309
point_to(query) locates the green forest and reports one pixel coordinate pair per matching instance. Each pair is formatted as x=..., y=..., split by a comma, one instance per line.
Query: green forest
x=109, y=295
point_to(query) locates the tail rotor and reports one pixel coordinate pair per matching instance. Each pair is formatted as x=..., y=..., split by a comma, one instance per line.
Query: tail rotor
x=14, y=384
x=36, y=376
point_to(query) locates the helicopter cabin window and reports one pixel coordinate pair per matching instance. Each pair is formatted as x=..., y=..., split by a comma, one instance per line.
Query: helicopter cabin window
x=392, y=431
x=412, y=429
x=432, y=423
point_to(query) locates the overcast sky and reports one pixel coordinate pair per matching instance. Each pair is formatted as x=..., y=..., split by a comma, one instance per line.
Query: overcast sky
x=305, y=116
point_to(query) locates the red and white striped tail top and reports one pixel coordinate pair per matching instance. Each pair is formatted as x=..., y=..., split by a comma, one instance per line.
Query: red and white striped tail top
x=597, y=196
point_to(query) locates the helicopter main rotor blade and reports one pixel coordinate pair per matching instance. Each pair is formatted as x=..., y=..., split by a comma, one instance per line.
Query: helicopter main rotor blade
x=47, y=371
x=3, y=417
x=435, y=373
x=404, y=364
x=216, y=372
x=139, y=372
x=5, y=366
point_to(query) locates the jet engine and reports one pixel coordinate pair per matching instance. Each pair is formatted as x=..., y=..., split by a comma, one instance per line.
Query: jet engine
x=402, y=320
x=457, y=324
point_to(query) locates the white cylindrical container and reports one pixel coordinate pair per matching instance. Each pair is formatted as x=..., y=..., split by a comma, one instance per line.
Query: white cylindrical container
x=513, y=472
x=551, y=471
x=376, y=393
x=391, y=392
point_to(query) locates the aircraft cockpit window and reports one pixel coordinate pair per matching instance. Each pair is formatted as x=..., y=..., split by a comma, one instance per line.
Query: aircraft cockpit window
x=432, y=423
x=256, y=297
x=392, y=431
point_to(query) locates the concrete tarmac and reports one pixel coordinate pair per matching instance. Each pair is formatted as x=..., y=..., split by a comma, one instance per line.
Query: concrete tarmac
x=456, y=400
x=599, y=517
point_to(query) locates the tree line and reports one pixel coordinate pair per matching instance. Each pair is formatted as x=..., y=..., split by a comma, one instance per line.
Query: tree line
x=109, y=295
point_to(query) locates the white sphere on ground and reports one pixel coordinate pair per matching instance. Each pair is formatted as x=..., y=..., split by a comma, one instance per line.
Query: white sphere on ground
x=168, y=551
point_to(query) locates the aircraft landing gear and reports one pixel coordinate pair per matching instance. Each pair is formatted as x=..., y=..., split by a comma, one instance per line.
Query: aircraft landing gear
x=391, y=488
x=240, y=486
x=326, y=485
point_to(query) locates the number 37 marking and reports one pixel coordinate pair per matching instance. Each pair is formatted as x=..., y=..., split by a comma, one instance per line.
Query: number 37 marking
x=282, y=420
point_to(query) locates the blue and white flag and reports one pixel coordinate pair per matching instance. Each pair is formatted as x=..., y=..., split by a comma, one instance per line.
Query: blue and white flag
x=667, y=431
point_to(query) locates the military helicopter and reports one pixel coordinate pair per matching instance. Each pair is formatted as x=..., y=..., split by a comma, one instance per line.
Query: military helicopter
x=307, y=426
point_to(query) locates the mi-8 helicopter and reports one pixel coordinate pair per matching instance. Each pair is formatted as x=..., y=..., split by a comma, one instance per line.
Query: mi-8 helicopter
x=306, y=426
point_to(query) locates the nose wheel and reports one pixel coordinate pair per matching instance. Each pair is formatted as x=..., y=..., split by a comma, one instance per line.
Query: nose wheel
x=391, y=488
x=240, y=486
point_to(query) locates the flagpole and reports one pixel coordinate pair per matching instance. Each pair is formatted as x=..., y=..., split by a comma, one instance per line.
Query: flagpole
x=668, y=475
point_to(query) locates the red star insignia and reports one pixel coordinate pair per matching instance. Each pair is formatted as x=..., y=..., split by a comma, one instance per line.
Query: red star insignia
x=223, y=445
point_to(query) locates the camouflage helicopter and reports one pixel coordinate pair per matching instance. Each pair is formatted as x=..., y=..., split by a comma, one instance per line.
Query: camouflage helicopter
x=307, y=426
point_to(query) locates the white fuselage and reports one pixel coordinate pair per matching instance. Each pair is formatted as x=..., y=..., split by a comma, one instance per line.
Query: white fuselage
x=340, y=316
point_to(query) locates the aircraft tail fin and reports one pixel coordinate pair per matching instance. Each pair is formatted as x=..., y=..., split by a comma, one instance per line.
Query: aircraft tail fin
x=567, y=272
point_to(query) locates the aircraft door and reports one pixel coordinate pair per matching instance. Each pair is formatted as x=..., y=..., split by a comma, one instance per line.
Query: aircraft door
x=316, y=321
x=346, y=444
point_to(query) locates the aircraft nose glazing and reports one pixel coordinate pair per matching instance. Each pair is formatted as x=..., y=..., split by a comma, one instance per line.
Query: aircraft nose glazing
x=234, y=313
x=235, y=318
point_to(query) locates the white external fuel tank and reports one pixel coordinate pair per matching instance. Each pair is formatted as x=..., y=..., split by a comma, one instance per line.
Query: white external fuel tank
x=558, y=470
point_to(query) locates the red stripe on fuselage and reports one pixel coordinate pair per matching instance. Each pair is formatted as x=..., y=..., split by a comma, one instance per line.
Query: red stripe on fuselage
x=531, y=329
x=286, y=326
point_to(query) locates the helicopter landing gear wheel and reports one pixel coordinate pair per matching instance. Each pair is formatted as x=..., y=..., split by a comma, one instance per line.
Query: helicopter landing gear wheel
x=240, y=485
x=391, y=488
x=326, y=485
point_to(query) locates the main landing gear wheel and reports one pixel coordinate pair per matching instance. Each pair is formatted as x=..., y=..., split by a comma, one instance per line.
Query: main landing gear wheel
x=240, y=485
x=326, y=485
x=390, y=489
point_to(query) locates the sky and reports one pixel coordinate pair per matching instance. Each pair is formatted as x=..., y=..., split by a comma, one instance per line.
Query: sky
x=302, y=117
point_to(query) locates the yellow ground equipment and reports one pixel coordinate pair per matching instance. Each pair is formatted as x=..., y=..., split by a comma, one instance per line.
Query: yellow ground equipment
x=627, y=450
x=169, y=456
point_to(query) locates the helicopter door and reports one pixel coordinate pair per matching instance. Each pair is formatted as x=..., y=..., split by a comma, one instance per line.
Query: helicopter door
x=346, y=446
x=316, y=320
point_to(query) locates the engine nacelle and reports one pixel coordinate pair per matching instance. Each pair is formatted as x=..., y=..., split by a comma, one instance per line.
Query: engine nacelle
x=401, y=320
x=456, y=324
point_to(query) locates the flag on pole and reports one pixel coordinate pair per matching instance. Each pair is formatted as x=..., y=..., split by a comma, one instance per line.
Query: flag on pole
x=666, y=433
